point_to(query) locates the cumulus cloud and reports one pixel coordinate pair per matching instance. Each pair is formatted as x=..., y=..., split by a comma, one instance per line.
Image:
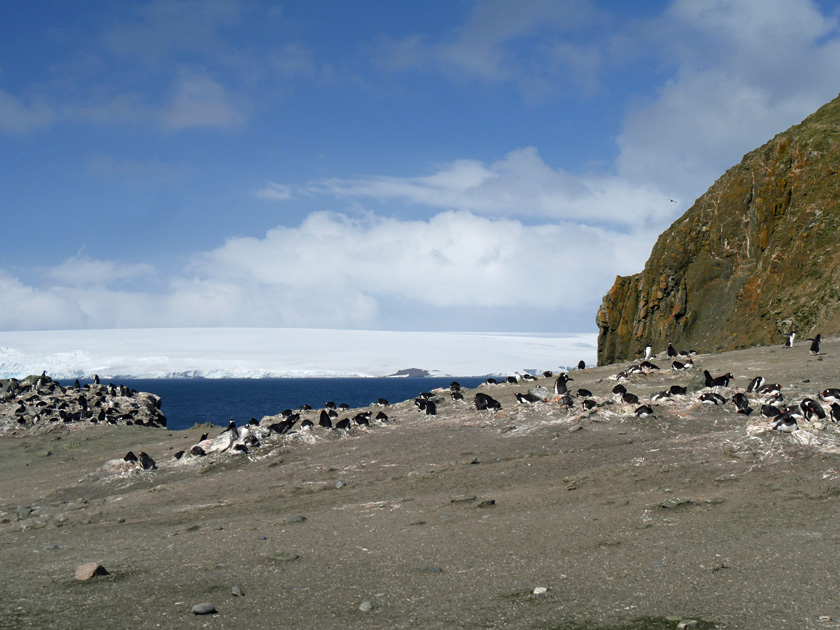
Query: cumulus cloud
x=521, y=184
x=84, y=271
x=338, y=271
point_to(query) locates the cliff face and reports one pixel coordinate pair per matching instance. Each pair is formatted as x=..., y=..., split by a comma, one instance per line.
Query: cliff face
x=756, y=256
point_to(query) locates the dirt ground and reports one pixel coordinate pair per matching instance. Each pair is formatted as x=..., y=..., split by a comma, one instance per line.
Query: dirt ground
x=446, y=521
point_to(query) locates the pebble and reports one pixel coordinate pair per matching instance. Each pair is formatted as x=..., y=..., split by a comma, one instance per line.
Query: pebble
x=340, y=484
x=205, y=608
x=487, y=503
x=432, y=569
x=462, y=498
x=688, y=624
x=295, y=519
x=366, y=606
x=284, y=556
x=50, y=547
x=237, y=592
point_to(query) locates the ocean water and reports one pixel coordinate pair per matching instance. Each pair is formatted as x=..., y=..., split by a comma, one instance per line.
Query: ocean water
x=186, y=402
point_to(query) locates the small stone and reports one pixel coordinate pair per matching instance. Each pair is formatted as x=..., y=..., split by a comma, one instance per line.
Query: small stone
x=50, y=547
x=688, y=624
x=205, y=608
x=462, y=498
x=237, y=592
x=284, y=556
x=672, y=503
x=366, y=606
x=541, y=591
x=295, y=519
x=487, y=503
x=609, y=542
x=340, y=483
x=432, y=569
x=89, y=570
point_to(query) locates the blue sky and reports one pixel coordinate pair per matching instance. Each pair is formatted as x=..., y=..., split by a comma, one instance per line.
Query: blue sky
x=446, y=165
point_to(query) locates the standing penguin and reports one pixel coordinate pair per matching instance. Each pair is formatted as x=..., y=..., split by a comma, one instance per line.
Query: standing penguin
x=815, y=344
x=560, y=384
x=789, y=339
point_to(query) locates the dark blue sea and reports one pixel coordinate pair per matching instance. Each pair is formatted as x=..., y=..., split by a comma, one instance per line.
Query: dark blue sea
x=186, y=402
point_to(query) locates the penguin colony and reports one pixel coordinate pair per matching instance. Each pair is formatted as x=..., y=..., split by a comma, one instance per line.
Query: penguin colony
x=764, y=403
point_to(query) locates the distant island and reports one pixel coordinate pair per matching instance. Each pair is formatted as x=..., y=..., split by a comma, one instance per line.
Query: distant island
x=411, y=372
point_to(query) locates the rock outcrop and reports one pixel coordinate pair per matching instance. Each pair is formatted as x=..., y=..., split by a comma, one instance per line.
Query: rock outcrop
x=38, y=402
x=758, y=255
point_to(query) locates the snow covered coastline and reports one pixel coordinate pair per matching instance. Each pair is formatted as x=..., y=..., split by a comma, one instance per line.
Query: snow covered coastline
x=282, y=352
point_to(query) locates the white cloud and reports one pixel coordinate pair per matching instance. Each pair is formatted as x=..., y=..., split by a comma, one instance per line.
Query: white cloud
x=18, y=117
x=521, y=184
x=745, y=72
x=348, y=272
x=199, y=101
x=84, y=271
x=275, y=192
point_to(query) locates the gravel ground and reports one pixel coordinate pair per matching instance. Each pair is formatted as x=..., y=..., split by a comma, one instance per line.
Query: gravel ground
x=446, y=521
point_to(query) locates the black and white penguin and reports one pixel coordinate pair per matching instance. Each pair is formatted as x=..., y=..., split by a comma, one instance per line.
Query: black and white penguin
x=548, y=374
x=588, y=404
x=718, y=381
x=526, y=398
x=789, y=339
x=811, y=409
x=660, y=396
x=343, y=424
x=381, y=417
x=324, y=420
x=581, y=365
x=816, y=342
x=785, y=422
x=146, y=462
x=755, y=384
x=769, y=411
x=710, y=398
x=584, y=393
x=671, y=352
x=619, y=390
x=677, y=390
x=835, y=412
x=830, y=395
x=483, y=401
x=130, y=457
x=630, y=399
x=644, y=411
x=742, y=404
x=560, y=387
x=382, y=402
x=529, y=377
x=454, y=386
x=456, y=396
x=648, y=352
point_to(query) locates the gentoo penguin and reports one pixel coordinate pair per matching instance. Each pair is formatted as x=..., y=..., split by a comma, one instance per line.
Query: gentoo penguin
x=146, y=462
x=457, y=396
x=381, y=417
x=382, y=402
x=835, y=412
x=130, y=457
x=584, y=393
x=483, y=401
x=659, y=396
x=742, y=403
x=648, y=352
x=718, y=381
x=96, y=379
x=560, y=387
x=710, y=398
x=830, y=395
x=581, y=365
x=548, y=374
x=811, y=409
x=630, y=399
x=324, y=420
x=785, y=422
x=526, y=397
x=589, y=404
x=454, y=386
x=815, y=344
x=789, y=339
x=671, y=352
x=644, y=411
x=677, y=390
x=755, y=384
x=769, y=411
x=619, y=390
x=343, y=424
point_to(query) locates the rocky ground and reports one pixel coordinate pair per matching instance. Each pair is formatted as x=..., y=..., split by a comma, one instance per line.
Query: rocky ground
x=534, y=516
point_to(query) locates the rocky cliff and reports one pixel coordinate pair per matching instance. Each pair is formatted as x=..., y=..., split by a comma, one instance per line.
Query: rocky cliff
x=756, y=256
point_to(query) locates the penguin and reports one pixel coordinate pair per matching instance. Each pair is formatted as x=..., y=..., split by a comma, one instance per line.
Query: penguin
x=677, y=390
x=548, y=374
x=830, y=395
x=755, y=384
x=232, y=428
x=454, y=386
x=769, y=411
x=560, y=387
x=677, y=366
x=710, y=398
x=483, y=401
x=332, y=413
x=584, y=393
x=96, y=379
x=811, y=409
x=382, y=402
x=644, y=411
x=581, y=365
x=329, y=405
x=742, y=404
x=648, y=352
x=491, y=381
x=457, y=396
x=815, y=344
x=566, y=401
x=343, y=424
x=306, y=424
x=789, y=339
x=647, y=366
x=130, y=457
x=630, y=399
x=588, y=404
x=619, y=390
x=381, y=417
x=785, y=422
x=325, y=420
x=146, y=462
x=660, y=396
x=835, y=412
x=671, y=352
x=718, y=381
x=431, y=408
x=529, y=377
x=344, y=407
x=526, y=398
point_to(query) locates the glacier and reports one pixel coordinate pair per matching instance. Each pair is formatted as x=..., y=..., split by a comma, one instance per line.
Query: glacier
x=283, y=352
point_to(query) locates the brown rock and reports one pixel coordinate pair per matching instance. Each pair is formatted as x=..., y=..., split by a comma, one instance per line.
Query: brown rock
x=755, y=257
x=89, y=570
